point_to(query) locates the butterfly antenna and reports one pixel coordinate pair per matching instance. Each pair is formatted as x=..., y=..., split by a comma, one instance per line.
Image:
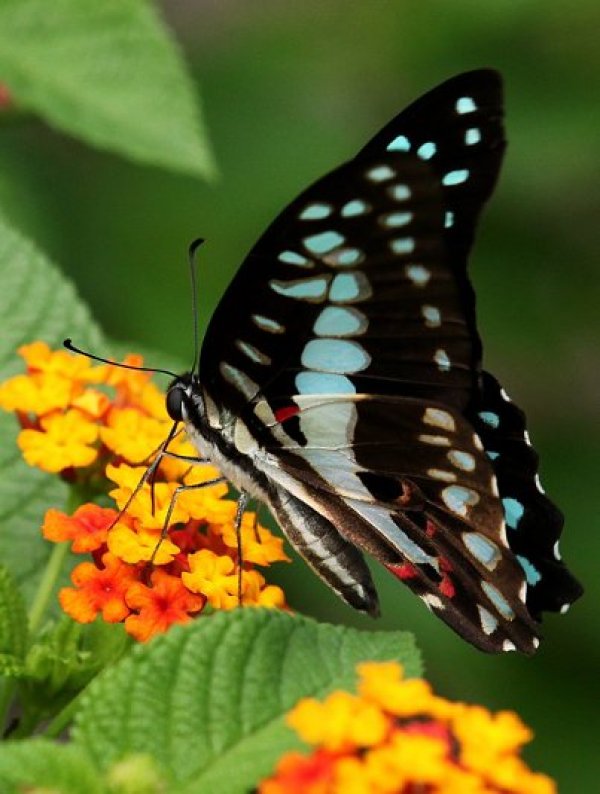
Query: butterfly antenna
x=68, y=343
x=193, y=276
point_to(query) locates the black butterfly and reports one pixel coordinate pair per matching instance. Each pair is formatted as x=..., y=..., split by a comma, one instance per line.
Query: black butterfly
x=340, y=382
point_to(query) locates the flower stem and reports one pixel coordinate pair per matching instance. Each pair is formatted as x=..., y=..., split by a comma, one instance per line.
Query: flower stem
x=64, y=717
x=46, y=585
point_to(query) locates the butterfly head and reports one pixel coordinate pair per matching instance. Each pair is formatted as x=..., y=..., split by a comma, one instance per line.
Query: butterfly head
x=184, y=398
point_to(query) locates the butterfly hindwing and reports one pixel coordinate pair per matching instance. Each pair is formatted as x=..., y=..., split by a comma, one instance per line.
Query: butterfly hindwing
x=342, y=368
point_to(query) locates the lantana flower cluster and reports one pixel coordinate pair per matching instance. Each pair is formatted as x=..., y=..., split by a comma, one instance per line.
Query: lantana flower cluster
x=397, y=737
x=99, y=428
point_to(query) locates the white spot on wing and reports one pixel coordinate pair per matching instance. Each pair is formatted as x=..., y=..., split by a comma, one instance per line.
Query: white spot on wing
x=441, y=359
x=432, y=601
x=556, y=551
x=437, y=441
x=253, y=353
x=440, y=474
x=439, y=418
x=239, y=380
x=380, y=173
x=267, y=324
x=489, y=623
x=433, y=318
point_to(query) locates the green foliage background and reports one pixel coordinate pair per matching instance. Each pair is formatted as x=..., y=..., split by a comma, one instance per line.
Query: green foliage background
x=289, y=91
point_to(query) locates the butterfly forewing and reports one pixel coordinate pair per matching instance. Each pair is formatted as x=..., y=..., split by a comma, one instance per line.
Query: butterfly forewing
x=345, y=353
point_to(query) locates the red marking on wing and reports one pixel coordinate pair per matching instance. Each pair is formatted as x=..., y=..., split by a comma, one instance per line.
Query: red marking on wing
x=281, y=414
x=430, y=529
x=447, y=588
x=405, y=570
x=445, y=565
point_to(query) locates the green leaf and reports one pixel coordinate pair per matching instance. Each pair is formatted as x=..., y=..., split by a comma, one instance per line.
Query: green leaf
x=108, y=72
x=37, y=302
x=64, y=659
x=38, y=765
x=13, y=619
x=207, y=701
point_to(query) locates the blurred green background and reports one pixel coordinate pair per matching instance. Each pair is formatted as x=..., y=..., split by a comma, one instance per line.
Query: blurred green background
x=290, y=90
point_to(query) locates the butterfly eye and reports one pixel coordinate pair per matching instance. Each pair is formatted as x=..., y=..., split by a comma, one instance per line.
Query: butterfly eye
x=174, y=403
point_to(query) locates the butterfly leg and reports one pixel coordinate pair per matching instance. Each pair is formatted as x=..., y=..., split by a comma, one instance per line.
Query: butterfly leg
x=242, y=504
x=176, y=493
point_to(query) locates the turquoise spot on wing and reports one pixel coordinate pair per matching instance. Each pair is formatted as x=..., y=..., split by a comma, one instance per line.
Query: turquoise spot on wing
x=323, y=243
x=335, y=355
x=426, y=150
x=449, y=220
x=399, y=144
x=513, y=511
x=396, y=219
x=498, y=600
x=380, y=173
x=532, y=574
x=462, y=460
x=489, y=623
x=455, y=177
x=354, y=207
x=339, y=321
x=465, y=105
x=323, y=383
x=457, y=498
x=292, y=258
x=403, y=245
x=472, y=136
x=482, y=548
x=315, y=212
x=306, y=289
x=346, y=257
x=490, y=418
x=347, y=287
x=418, y=274
x=492, y=455
x=400, y=192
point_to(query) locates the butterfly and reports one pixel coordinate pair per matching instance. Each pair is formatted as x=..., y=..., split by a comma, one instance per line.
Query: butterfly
x=340, y=383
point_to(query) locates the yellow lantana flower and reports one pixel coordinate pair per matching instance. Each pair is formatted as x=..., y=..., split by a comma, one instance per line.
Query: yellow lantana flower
x=65, y=440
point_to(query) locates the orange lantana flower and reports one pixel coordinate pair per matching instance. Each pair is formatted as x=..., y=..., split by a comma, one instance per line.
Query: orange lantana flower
x=90, y=424
x=159, y=606
x=363, y=746
x=99, y=590
x=87, y=528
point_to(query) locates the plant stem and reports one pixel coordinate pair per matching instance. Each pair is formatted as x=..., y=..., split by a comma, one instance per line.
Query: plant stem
x=46, y=585
x=63, y=718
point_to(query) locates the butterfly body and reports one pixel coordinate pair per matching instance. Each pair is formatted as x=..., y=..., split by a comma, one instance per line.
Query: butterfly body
x=340, y=382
